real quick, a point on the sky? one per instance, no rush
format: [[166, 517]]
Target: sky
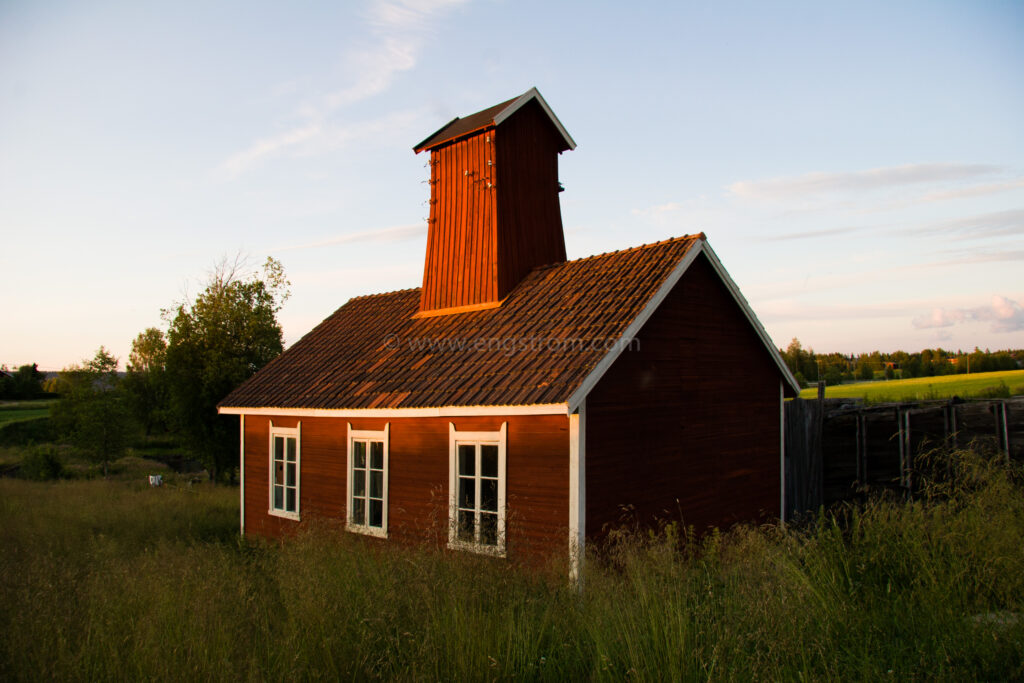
[[857, 167]]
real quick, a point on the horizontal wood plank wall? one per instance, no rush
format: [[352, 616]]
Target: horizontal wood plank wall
[[687, 426], [536, 490], [529, 216], [460, 266]]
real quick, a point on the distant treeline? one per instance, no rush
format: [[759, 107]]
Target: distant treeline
[[26, 382], [835, 368]]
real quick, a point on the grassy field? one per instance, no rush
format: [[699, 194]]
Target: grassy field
[[15, 411], [113, 580], [982, 384]]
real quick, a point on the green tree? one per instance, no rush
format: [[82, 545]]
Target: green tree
[[864, 370], [92, 414], [145, 384], [793, 355], [214, 344]]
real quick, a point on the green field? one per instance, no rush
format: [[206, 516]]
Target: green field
[[15, 411], [114, 580], [978, 385]]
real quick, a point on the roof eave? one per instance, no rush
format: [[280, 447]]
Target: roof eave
[[420, 147], [425, 411]]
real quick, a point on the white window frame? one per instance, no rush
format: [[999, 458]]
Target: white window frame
[[455, 438], [367, 435], [288, 433]]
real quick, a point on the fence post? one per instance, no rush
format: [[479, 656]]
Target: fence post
[[1006, 430]]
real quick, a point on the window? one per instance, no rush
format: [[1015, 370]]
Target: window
[[476, 486], [368, 481], [284, 471]]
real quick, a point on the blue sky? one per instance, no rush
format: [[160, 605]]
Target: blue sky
[[858, 167]]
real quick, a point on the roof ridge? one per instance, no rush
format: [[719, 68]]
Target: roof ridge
[[639, 247], [377, 294]]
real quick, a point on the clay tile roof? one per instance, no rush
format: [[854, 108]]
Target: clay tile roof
[[492, 116], [536, 348]]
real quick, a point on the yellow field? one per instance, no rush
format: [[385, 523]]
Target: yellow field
[[981, 384]]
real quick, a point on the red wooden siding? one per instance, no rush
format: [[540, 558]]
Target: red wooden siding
[[688, 425], [537, 458]]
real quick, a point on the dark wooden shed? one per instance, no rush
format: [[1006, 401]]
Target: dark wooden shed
[[517, 402]]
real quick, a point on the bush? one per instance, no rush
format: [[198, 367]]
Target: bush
[[999, 391], [41, 464]]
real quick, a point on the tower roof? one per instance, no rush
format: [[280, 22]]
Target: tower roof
[[492, 116]]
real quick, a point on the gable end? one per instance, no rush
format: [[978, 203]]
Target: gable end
[[702, 247]]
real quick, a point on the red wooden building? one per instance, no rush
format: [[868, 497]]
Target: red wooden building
[[517, 402]]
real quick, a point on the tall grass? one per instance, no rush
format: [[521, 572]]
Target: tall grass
[[109, 580]]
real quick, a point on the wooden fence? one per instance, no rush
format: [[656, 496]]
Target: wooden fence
[[836, 446]]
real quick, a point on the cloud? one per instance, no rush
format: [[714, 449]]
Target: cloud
[[396, 233], [792, 310], [993, 224], [1005, 315], [237, 163], [818, 183], [973, 191], [398, 31], [812, 234]]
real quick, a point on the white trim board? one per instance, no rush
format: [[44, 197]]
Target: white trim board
[[441, 411], [241, 473], [577, 492], [630, 333]]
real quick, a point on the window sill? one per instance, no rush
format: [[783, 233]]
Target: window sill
[[294, 516], [493, 551], [366, 530]]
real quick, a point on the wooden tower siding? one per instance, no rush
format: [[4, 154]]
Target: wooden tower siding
[[461, 260], [537, 459], [494, 211], [529, 214], [688, 425]]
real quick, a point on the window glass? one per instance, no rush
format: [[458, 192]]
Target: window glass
[[488, 528], [467, 459], [466, 522], [489, 460], [467, 492], [489, 495]]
